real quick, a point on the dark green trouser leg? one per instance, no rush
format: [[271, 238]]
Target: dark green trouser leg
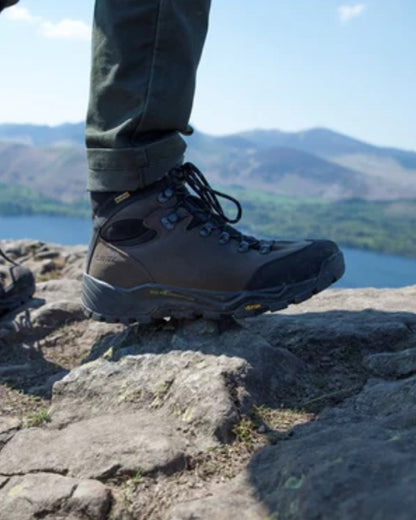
[[145, 56]]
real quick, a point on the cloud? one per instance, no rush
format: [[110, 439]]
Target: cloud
[[20, 14], [65, 29], [348, 12]]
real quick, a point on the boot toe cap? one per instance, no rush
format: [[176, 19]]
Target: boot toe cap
[[296, 267]]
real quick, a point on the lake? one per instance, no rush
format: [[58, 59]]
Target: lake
[[364, 269]]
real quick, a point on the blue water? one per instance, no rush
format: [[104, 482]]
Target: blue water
[[364, 269]]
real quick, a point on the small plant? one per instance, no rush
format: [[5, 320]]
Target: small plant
[[137, 478], [244, 431], [37, 418]]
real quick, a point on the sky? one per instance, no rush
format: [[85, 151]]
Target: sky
[[285, 64]]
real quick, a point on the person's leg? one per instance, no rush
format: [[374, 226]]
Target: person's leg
[[145, 56], [162, 245]]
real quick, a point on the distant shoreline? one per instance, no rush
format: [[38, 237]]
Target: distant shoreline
[[85, 218]]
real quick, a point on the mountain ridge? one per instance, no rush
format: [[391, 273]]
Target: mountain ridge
[[316, 162], [361, 199]]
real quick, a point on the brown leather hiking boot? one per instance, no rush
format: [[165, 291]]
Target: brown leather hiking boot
[[17, 284], [167, 251]]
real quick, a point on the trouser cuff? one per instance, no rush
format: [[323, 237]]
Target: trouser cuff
[[130, 169]]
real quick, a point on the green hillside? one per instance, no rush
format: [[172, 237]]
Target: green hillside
[[387, 227], [18, 200], [376, 226]]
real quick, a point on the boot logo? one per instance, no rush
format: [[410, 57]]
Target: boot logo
[[166, 292], [106, 259], [123, 196], [253, 307]]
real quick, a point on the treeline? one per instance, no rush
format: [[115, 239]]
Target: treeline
[[387, 226], [18, 200]]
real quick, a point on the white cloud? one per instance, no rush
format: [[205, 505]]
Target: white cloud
[[348, 12], [20, 14], [64, 29]]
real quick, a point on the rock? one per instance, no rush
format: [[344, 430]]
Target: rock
[[56, 314], [306, 414], [44, 495], [99, 448], [385, 300], [8, 427], [10, 370], [235, 500], [8, 423], [188, 388], [46, 388], [46, 254], [392, 364], [381, 399], [90, 500], [183, 374], [61, 289], [342, 466]]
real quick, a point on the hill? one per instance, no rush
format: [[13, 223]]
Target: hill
[[313, 183], [316, 162]]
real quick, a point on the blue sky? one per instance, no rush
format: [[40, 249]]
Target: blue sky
[[287, 64]]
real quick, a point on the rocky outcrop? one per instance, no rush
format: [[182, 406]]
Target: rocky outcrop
[[299, 415]]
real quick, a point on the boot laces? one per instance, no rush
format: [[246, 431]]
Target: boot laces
[[7, 258], [207, 210]]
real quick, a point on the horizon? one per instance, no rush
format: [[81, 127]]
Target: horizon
[[343, 64], [258, 129]]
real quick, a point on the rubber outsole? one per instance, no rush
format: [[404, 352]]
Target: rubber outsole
[[146, 303]]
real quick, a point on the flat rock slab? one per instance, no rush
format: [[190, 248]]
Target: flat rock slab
[[184, 386], [49, 496], [196, 375], [101, 447], [386, 300], [392, 364], [235, 500]]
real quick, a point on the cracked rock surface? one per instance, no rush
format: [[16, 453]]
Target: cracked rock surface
[[303, 415]]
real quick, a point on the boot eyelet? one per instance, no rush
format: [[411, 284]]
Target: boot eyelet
[[165, 195], [206, 229], [173, 218], [166, 223], [224, 238], [265, 248], [243, 247], [204, 232]]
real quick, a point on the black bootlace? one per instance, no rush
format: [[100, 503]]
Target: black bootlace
[[206, 208], [8, 259]]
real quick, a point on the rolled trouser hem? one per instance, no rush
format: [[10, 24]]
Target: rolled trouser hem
[[129, 169]]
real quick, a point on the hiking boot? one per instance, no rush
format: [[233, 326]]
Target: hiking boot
[[169, 251], [17, 284]]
